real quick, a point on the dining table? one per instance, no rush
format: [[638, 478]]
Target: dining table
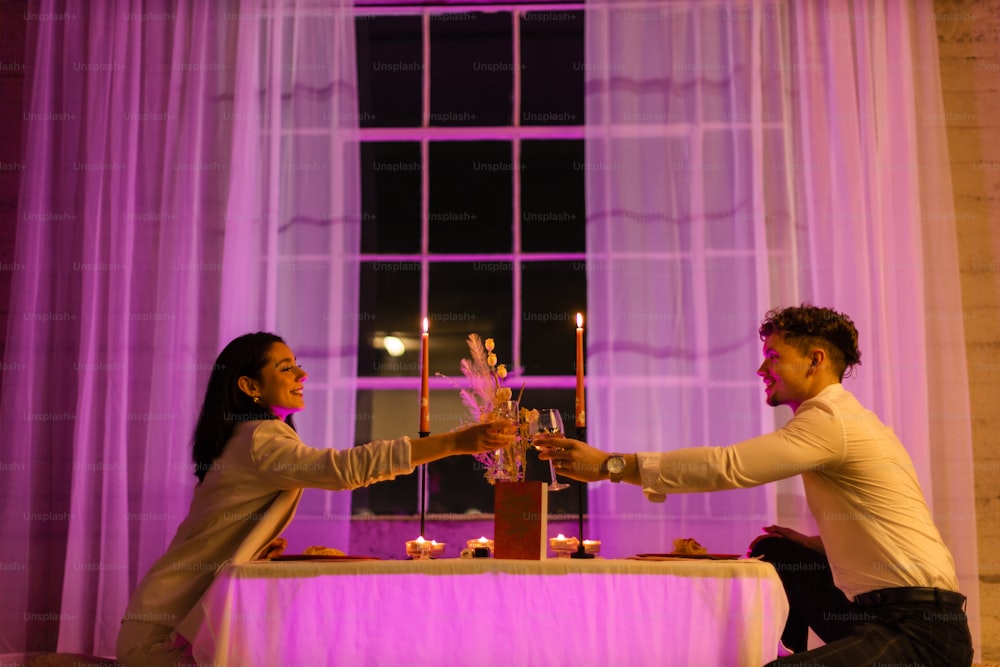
[[649, 610]]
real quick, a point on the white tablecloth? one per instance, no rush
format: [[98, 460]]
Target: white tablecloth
[[485, 612]]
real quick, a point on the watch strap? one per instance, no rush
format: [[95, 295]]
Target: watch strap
[[615, 466]]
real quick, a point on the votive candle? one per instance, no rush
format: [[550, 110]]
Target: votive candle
[[563, 545], [419, 549], [481, 543]]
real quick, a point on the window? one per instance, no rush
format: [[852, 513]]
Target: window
[[473, 215]]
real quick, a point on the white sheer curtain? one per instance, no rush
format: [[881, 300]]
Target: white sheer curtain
[[189, 177], [680, 118], [746, 155], [295, 116]]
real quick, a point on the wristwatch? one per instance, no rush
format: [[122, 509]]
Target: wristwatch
[[616, 467]]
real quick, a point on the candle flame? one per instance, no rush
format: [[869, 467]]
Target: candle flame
[[483, 540], [579, 320], [560, 536], [420, 539], [425, 325]]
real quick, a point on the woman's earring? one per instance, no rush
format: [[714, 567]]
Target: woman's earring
[[256, 399]]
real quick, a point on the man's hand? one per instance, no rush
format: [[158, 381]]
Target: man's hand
[[572, 458], [808, 541]]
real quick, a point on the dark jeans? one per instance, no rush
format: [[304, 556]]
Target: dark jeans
[[911, 633]]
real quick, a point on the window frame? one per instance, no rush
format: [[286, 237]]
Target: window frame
[[515, 133]]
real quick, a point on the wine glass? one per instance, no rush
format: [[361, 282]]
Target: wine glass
[[550, 421], [506, 410]]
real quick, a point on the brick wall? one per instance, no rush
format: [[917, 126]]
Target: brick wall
[[969, 46]]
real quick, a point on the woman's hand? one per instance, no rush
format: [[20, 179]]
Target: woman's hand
[[572, 458], [484, 437], [808, 541], [472, 439]]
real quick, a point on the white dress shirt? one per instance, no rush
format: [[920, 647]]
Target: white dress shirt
[[859, 481]]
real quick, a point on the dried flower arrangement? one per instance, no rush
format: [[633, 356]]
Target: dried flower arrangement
[[487, 399]]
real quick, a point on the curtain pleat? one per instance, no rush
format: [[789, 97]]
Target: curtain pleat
[[839, 105], [159, 218]]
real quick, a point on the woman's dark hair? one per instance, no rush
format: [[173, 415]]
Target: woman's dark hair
[[808, 326], [225, 404]]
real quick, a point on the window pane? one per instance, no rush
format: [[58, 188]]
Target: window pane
[[471, 69], [552, 68], [553, 292], [390, 197], [674, 334], [383, 415], [777, 162], [773, 86], [553, 215], [663, 213], [730, 285], [468, 297], [306, 223], [389, 304], [389, 71], [456, 486], [665, 91], [470, 196], [725, 56], [728, 199]]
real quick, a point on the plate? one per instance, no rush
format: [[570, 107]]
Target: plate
[[689, 556], [290, 557]]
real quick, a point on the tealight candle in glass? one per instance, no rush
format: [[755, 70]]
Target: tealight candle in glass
[[592, 546], [480, 543], [481, 548], [563, 546], [419, 549]]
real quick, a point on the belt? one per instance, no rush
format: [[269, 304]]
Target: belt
[[897, 595]]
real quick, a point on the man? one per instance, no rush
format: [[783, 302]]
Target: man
[[878, 584]]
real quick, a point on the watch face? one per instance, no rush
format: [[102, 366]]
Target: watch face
[[616, 465]]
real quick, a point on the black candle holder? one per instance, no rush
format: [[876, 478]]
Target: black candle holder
[[581, 551], [422, 489]]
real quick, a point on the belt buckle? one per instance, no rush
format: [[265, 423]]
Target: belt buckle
[[872, 598]]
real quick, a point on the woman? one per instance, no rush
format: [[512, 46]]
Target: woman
[[252, 467]]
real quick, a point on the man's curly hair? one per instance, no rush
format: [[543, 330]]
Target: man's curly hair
[[808, 326]]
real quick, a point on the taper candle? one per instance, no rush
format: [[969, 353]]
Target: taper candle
[[425, 399], [581, 405]]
